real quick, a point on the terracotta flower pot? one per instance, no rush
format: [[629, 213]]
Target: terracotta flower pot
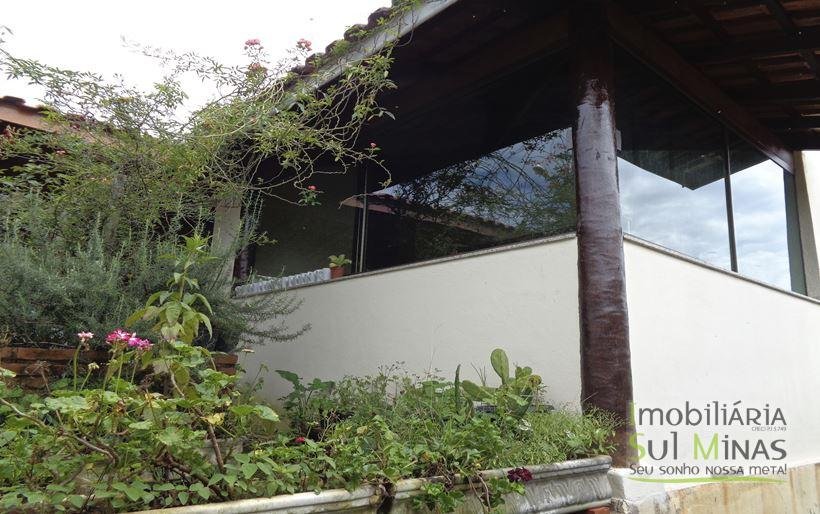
[[337, 272]]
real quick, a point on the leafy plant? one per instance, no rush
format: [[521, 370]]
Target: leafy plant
[[174, 311], [516, 394], [394, 425], [163, 427], [310, 403], [337, 261], [54, 287]]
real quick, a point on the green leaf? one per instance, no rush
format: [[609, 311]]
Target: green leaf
[[141, 425], [172, 312], [67, 404], [181, 374], [242, 410], [473, 391], [133, 493], [248, 470], [201, 490], [7, 373], [206, 322], [204, 302], [265, 412], [500, 364], [153, 298], [133, 318], [290, 376], [170, 436], [183, 497], [110, 397], [523, 372]]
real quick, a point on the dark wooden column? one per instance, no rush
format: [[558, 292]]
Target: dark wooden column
[[606, 373]]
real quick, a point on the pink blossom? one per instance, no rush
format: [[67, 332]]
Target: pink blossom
[[304, 44], [255, 66], [312, 188], [139, 344], [299, 440], [119, 336], [253, 42], [85, 336], [372, 145]]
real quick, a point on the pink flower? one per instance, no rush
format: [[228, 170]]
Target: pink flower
[[118, 336], [312, 188], [255, 66], [372, 145], [139, 344], [303, 44], [85, 336], [253, 42], [299, 440]]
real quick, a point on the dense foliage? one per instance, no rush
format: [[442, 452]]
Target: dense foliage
[[117, 176], [55, 287], [163, 427]]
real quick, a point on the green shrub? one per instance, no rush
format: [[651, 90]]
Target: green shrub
[[54, 288], [395, 425]]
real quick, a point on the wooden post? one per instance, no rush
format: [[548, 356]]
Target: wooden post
[[606, 374]]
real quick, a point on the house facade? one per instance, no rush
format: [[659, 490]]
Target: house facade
[[622, 195]]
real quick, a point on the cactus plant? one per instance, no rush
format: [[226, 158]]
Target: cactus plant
[[516, 394], [501, 365]]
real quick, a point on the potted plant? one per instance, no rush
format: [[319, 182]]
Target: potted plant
[[337, 265]]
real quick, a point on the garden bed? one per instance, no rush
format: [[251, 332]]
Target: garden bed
[[34, 365], [563, 487]]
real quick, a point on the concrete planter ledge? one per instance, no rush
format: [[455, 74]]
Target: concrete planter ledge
[[563, 487]]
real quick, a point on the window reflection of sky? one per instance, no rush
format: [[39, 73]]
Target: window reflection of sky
[[692, 222], [760, 223]]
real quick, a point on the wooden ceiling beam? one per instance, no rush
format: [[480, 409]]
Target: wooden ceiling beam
[[792, 124], [793, 31], [801, 92], [773, 45], [758, 48], [647, 46]]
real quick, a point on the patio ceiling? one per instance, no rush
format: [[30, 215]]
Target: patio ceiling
[[763, 54]]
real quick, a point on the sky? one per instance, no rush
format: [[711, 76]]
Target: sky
[[86, 35]]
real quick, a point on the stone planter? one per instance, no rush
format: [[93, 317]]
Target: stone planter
[[32, 364], [564, 487]]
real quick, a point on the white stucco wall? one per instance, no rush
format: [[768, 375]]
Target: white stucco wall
[[438, 315], [701, 335]]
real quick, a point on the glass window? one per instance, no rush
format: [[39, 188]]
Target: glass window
[[671, 167], [489, 167], [676, 168], [303, 237], [519, 192], [765, 216]]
